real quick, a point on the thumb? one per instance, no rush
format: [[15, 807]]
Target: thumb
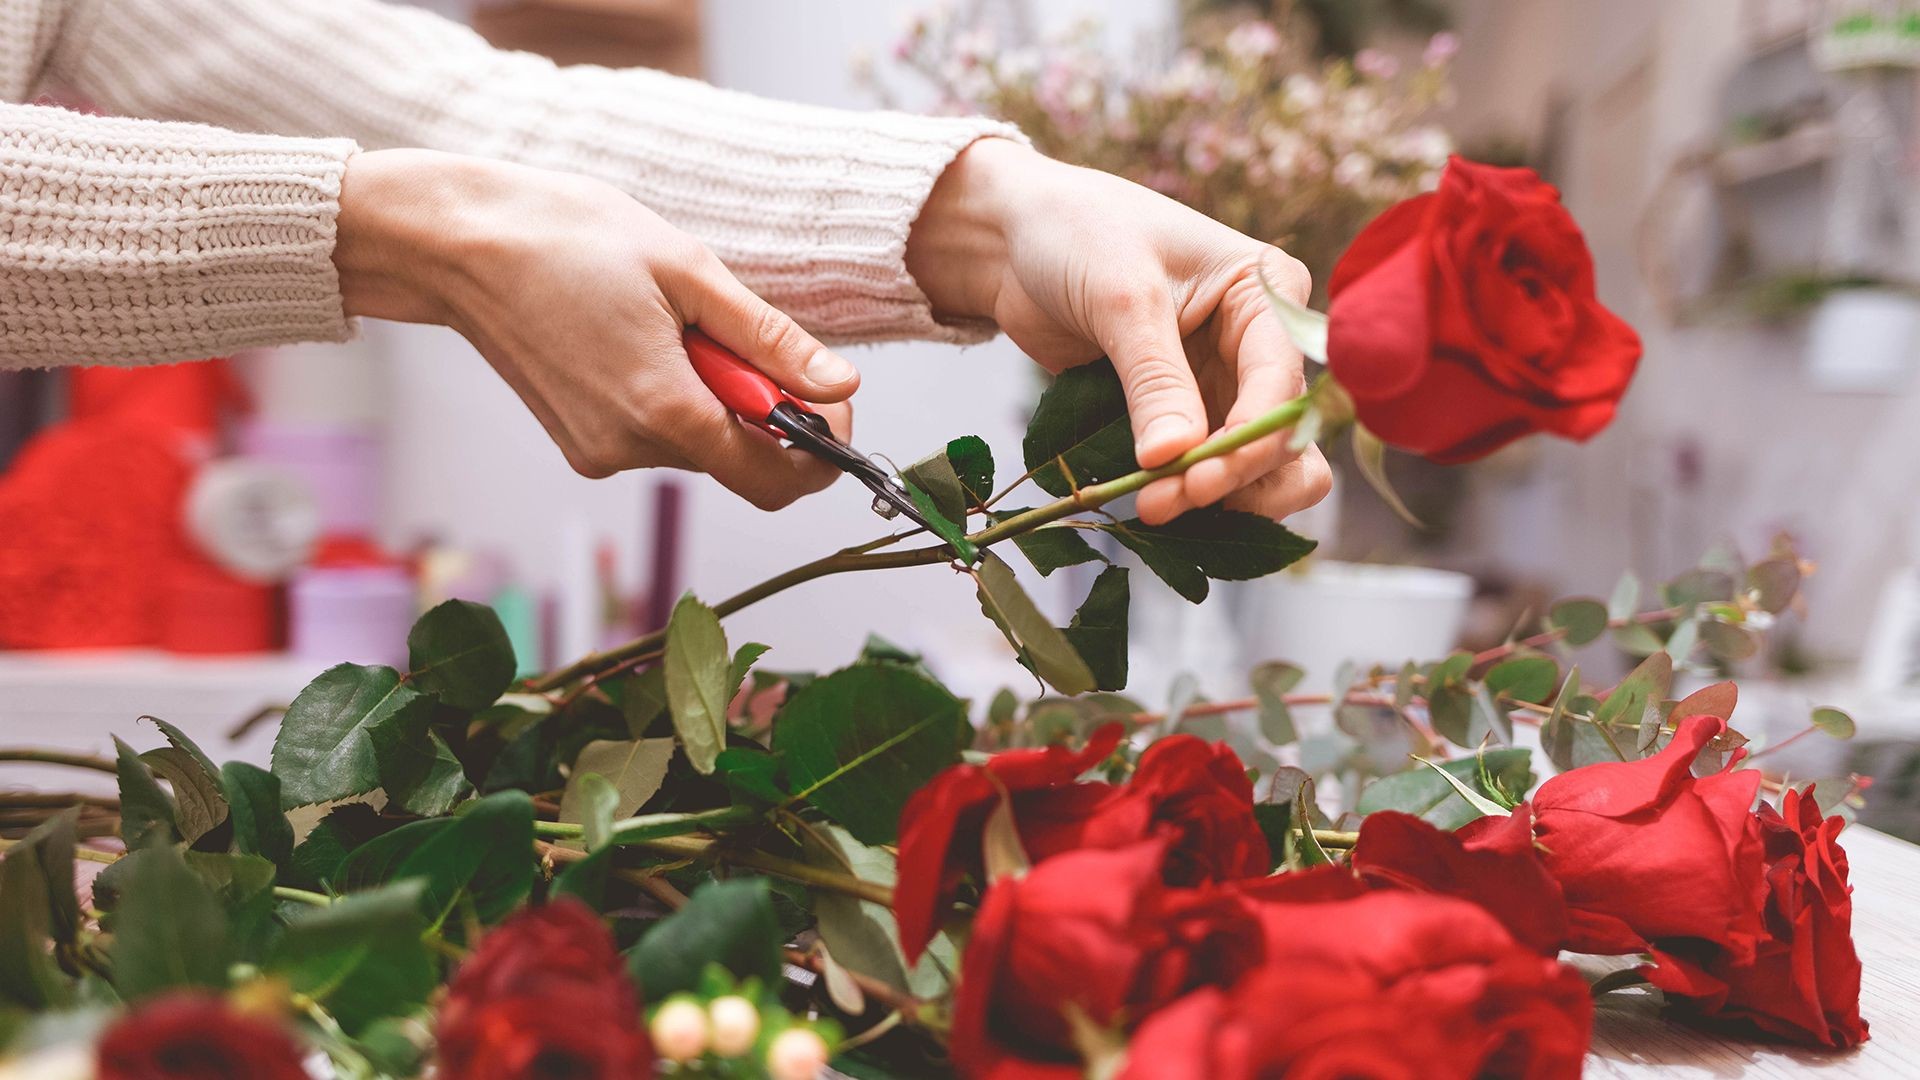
[[766, 337]]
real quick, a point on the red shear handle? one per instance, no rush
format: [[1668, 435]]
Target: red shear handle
[[740, 386]]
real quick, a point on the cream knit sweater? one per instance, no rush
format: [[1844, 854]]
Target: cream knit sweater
[[126, 240]]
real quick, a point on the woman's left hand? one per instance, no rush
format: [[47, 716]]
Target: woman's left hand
[[1075, 264]]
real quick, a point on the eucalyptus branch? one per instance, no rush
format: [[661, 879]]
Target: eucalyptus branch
[[864, 557]]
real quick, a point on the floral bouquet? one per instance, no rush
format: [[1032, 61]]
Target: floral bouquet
[[1246, 128], [668, 859]]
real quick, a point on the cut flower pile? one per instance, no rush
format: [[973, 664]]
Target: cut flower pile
[[668, 859]]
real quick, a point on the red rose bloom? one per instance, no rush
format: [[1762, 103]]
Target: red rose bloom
[[190, 1036], [1804, 980], [1466, 318], [1388, 985], [941, 824], [1491, 862], [1644, 850], [1195, 792], [1093, 931], [544, 997]]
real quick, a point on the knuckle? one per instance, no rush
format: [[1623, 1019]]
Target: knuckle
[[1290, 276], [774, 334], [1156, 379], [594, 463], [1125, 299], [1316, 477]]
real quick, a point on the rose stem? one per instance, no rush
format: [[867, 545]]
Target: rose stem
[[1090, 497], [282, 892], [55, 757]]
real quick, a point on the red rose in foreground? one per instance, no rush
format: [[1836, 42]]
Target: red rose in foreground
[[1804, 981], [196, 1037], [1466, 318], [1385, 985], [941, 824], [1195, 792], [544, 996], [1491, 862], [1644, 850], [1093, 931]]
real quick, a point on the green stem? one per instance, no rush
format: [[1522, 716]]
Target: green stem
[[287, 892], [55, 757], [654, 826], [1091, 497]]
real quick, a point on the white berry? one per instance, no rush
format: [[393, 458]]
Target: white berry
[[736, 1025], [796, 1054], [679, 1030]]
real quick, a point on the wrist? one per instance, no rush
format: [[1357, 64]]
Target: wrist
[[398, 231], [958, 249]]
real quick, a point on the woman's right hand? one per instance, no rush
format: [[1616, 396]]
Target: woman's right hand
[[579, 296]]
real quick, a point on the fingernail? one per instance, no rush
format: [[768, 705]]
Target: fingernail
[[1165, 427], [826, 369]]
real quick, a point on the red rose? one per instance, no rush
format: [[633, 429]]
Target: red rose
[[190, 1036], [1466, 318], [1387, 985], [941, 824], [1804, 980], [1491, 862], [1186, 788], [544, 996], [1093, 931], [1644, 850]]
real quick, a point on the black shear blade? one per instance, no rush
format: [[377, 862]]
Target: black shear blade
[[810, 432]]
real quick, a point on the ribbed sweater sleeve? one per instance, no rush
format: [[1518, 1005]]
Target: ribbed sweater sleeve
[[810, 207], [125, 240]]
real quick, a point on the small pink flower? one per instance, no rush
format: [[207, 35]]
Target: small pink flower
[[1375, 64], [1444, 47], [1253, 40]]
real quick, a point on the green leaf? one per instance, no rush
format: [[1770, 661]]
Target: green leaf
[[1772, 584], [253, 799], [1043, 646], [729, 923], [1487, 807], [1624, 602], [1226, 545], [146, 812], [1697, 587], [170, 929], [972, 462], [942, 526], [1727, 641], [935, 475], [1307, 849], [178, 739], [699, 680], [36, 885], [1081, 423], [323, 750], [1833, 722], [857, 743], [318, 859], [1583, 620], [364, 957], [594, 800], [633, 769], [754, 774], [586, 880], [484, 852], [1637, 700], [417, 769], [643, 699], [1422, 793], [1525, 678], [1271, 682], [199, 806], [1450, 709], [1098, 631], [1051, 547], [1556, 732], [1307, 327], [1370, 455], [460, 653], [744, 658]]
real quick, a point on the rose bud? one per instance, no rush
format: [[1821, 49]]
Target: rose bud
[[192, 1036]]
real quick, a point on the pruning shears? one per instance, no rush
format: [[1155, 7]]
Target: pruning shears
[[758, 400]]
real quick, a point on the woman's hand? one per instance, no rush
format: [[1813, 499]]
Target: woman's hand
[[578, 296], [1076, 264]]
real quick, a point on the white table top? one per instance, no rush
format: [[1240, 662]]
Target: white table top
[[1631, 1041]]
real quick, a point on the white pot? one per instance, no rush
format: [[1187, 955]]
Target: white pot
[[1334, 612], [1864, 341]]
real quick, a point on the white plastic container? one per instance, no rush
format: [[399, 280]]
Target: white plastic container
[[1333, 612], [1864, 341]]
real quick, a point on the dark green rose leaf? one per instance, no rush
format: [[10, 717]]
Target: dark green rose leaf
[[699, 680], [744, 658], [857, 743], [484, 852], [1098, 631], [972, 462], [199, 805], [170, 929], [460, 653], [363, 957], [146, 811], [1225, 545], [634, 769], [418, 770], [935, 475], [1054, 546], [729, 923], [37, 909], [947, 527], [259, 826], [324, 749], [1081, 426]]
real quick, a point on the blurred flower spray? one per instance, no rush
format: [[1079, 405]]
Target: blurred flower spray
[[1244, 124]]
